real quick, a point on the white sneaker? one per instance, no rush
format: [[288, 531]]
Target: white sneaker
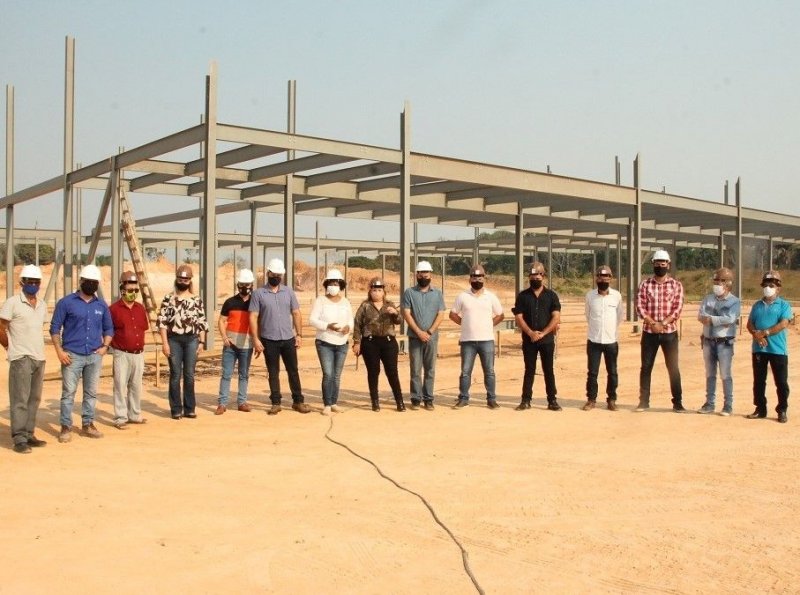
[[336, 408], [326, 410], [725, 413]]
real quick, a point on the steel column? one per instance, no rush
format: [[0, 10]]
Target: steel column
[[208, 222], [288, 196], [405, 200], [739, 266], [9, 190], [519, 248], [69, 122]]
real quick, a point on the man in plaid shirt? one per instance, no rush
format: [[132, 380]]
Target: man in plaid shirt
[[659, 302]]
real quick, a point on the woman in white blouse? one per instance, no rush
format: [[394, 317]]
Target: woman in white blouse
[[332, 316]]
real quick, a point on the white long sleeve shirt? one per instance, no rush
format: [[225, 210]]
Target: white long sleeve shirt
[[604, 313], [326, 311]]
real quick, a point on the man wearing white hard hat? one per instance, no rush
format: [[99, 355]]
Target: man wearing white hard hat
[[276, 326], [130, 325], [423, 310], [659, 303], [22, 334], [81, 330], [234, 328], [604, 312]]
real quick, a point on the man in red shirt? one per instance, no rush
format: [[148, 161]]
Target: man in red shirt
[[130, 324], [659, 302]]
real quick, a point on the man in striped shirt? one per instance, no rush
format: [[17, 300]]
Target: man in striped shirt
[[659, 302]]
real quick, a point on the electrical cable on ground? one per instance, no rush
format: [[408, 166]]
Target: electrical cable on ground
[[464, 553]]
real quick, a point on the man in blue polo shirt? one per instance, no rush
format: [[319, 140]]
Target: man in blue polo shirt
[[423, 310], [767, 323], [81, 330]]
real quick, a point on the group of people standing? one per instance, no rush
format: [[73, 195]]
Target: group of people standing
[[268, 320]]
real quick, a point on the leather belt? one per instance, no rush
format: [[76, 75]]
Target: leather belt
[[387, 337], [135, 351], [718, 340]]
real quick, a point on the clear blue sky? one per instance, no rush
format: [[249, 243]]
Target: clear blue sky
[[704, 91]]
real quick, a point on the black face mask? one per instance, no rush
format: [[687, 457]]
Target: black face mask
[[243, 291], [603, 285], [422, 282], [536, 284], [274, 281], [181, 285], [660, 271], [89, 287], [476, 285]]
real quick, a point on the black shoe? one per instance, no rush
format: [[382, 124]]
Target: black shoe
[[553, 405], [756, 415], [190, 415], [401, 406], [679, 408], [612, 405], [523, 405], [782, 417], [428, 406], [461, 403], [22, 448], [376, 406], [414, 405], [492, 404], [35, 442], [177, 416]]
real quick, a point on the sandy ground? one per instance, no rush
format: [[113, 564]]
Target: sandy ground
[[546, 502]]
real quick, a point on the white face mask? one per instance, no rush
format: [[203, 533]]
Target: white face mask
[[719, 290], [332, 290], [770, 292]]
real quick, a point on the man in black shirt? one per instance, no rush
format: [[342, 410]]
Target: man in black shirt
[[538, 312]]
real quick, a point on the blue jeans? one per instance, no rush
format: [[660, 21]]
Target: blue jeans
[[718, 355], [422, 357], [182, 362], [484, 350], [230, 356], [331, 359], [86, 367]]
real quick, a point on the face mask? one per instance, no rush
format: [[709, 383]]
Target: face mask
[[770, 292], [30, 289], [660, 271], [129, 296], [181, 285], [422, 282], [89, 287], [477, 285], [274, 281], [243, 291], [536, 284], [603, 285], [719, 290], [332, 290]]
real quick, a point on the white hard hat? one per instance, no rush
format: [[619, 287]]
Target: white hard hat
[[276, 266], [423, 266], [334, 275], [660, 255], [245, 276], [91, 273], [30, 271]]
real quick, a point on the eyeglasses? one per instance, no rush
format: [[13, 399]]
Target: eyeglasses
[[131, 290], [476, 276]]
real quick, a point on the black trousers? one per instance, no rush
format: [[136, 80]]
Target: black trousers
[[546, 352], [375, 350], [609, 352], [285, 350], [668, 342], [780, 374]]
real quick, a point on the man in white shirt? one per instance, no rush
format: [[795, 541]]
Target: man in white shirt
[[604, 313], [477, 311]]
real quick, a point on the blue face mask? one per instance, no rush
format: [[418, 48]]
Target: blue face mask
[[30, 288]]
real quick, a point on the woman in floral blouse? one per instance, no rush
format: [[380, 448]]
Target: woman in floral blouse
[[183, 327], [373, 338]]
